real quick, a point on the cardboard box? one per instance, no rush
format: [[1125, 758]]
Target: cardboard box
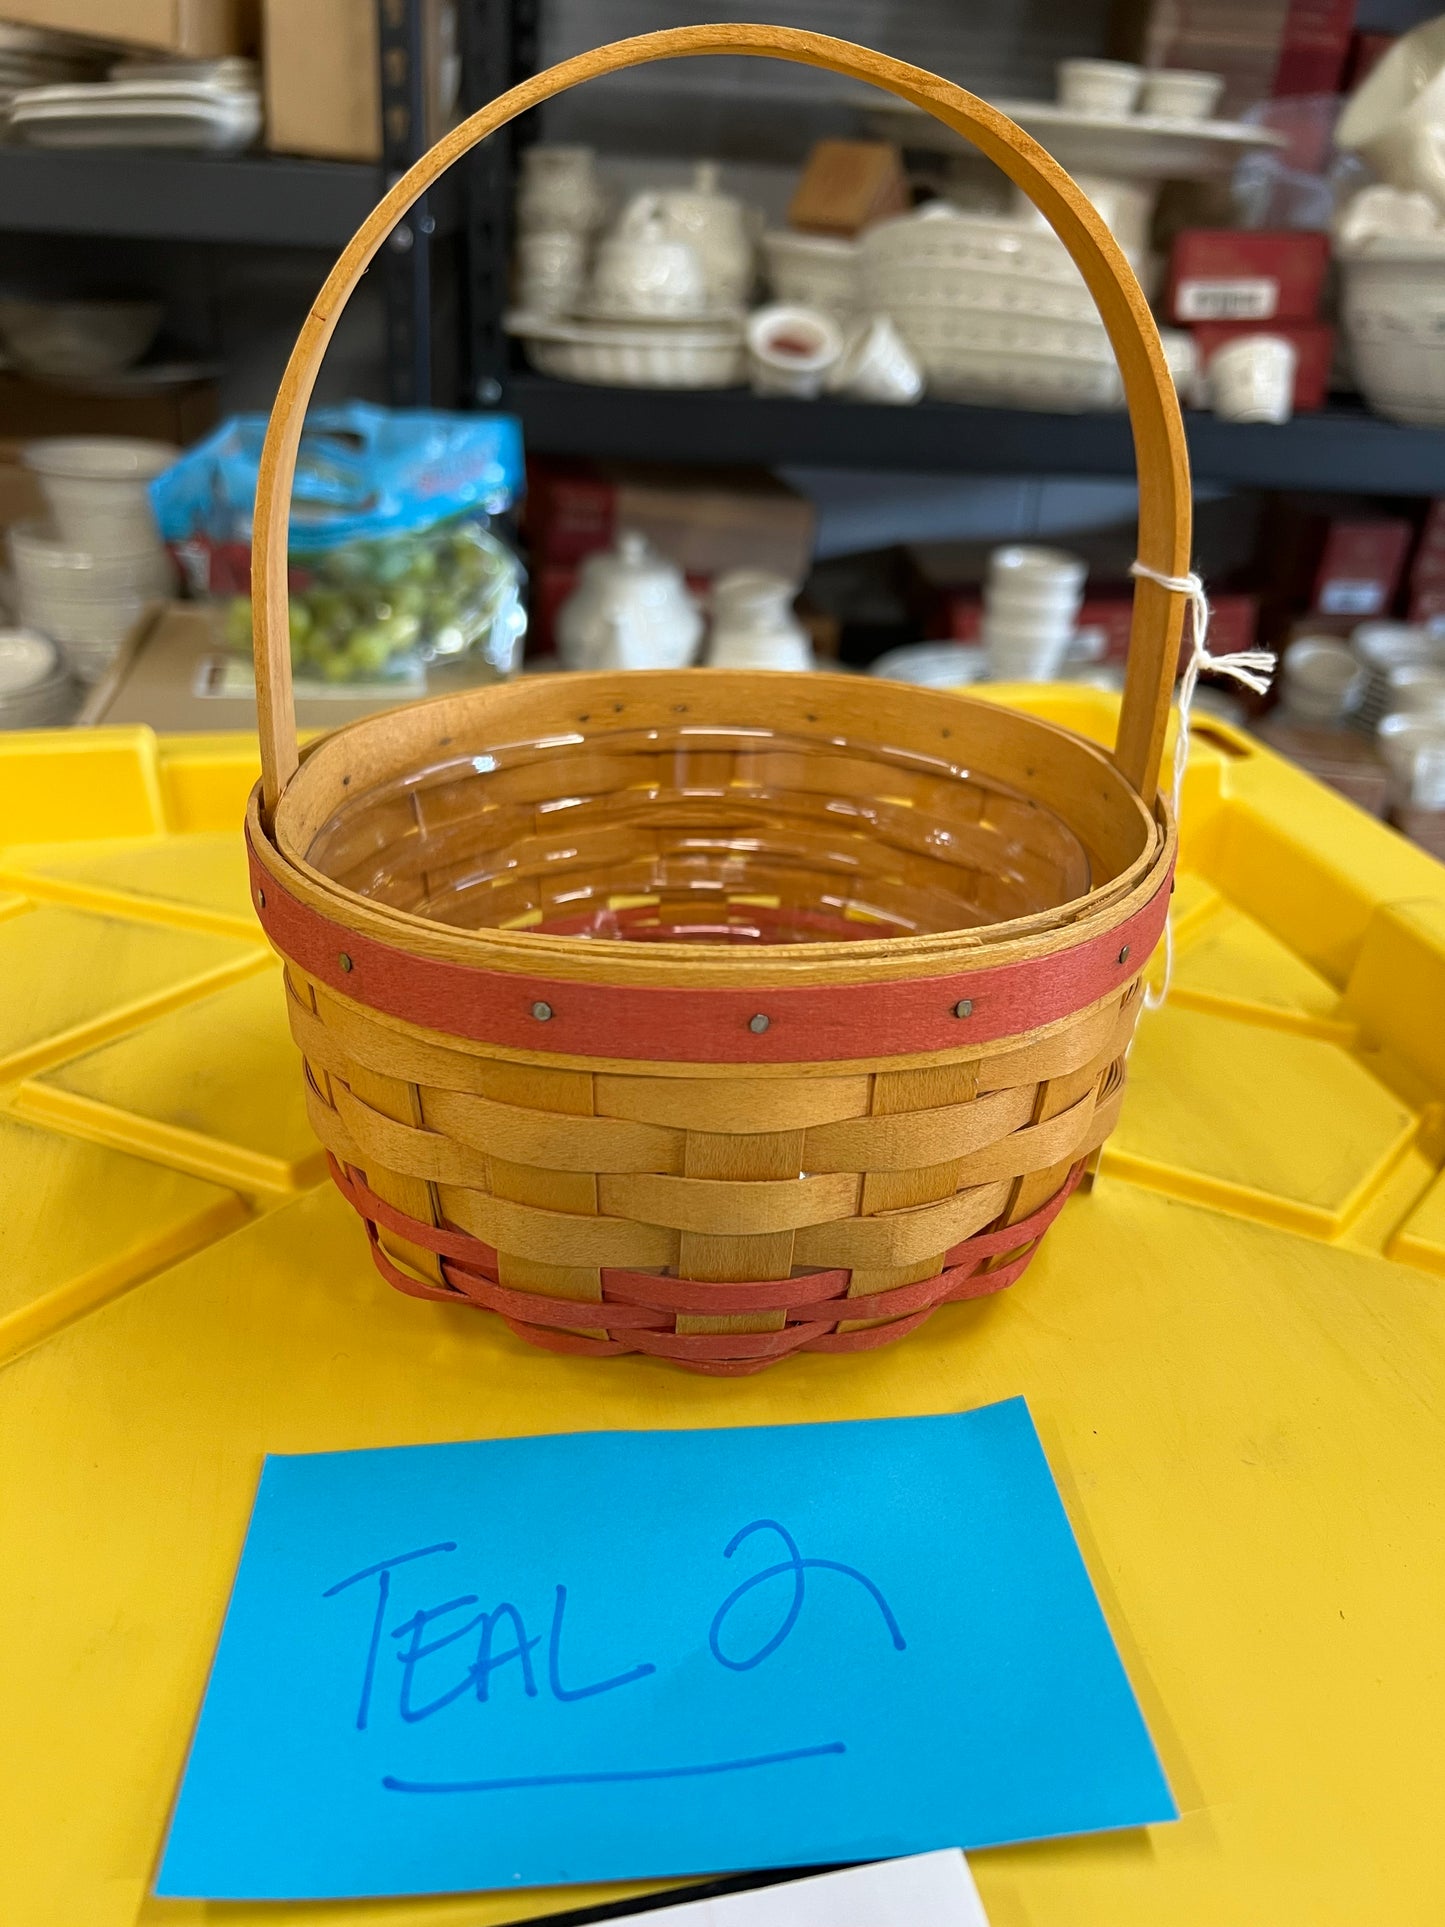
[[197, 28], [173, 674], [323, 76], [1232, 274], [704, 520], [847, 185], [181, 414], [1314, 343]]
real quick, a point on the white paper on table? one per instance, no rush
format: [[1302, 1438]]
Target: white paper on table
[[924, 1890]]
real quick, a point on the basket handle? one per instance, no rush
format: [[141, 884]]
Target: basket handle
[[1160, 450]]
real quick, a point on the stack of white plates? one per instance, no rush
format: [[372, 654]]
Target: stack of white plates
[[87, 603], [993, 308], [213, 105], [35, 689], [31, 57]]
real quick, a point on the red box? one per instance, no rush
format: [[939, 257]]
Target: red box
[[1231, 274], [1427, 601], [1314, 343], [1360, 566], [1315, 47]]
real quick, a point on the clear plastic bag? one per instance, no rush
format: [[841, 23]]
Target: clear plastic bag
[[393, 562]]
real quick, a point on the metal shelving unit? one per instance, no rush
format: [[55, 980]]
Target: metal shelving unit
[[1341, 449]]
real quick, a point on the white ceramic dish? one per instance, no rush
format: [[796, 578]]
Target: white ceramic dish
[[1395, 120], [941, 238], [177, 113], [932, 665], [937, 335], [1180, 93], [1109, 87], [716, 226], [791, 350], [36, 691], [684, 356], [813, 270], [1140, 146], [1321, 679], [96, 488], [1393, 311], [82, 340], [1252, 379]]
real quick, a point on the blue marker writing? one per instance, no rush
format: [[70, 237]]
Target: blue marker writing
[[797, 1565]]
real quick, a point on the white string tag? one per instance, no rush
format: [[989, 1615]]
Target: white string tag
[[1251, 668]]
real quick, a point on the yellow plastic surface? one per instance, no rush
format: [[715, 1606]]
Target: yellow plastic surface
[[1234, 1348]]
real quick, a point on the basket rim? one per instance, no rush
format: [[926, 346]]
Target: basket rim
[[859, 959]]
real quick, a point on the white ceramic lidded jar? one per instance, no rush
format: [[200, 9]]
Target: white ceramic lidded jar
[[716, 226], [753, 624], [630, 609]]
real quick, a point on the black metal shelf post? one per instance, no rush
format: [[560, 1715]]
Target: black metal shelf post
[[499, 47], [407, 254]]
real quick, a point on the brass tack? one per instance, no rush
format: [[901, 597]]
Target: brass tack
[[261, 899], [1124, 954], [759, 1023], [542, 1012], [964, 1007], [345, 961]]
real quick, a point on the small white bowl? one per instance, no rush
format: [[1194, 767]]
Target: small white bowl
[[1252, 379], [1402, 738], [1177, 93], [1105, 87], [1322, 679], [791, 350], [812, 270]]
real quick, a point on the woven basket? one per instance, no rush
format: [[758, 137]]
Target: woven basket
[[718, 1016]]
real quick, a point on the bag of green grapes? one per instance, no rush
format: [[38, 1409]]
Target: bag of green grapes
[[395, 555]]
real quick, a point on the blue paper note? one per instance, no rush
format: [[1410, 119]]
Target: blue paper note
[[603, 1656]]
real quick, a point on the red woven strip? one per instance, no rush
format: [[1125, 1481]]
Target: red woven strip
[[806, 1023], [444, 1242], [567, 1324]]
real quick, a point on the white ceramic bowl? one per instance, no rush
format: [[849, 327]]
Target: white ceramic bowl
[[1176, 93], [1107, 87], [940, 237], [1417, 687], [36, 691], [1402, 738], [1394, 318], [812, 270], [936, 333], [1252, 379], [78, 340], [96, 488], [1322, 679]]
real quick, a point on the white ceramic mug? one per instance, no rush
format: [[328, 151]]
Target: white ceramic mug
[[1106, 87], [1175, 93], [1252, 379], [1396, 118], [876, 364], [791, 350]]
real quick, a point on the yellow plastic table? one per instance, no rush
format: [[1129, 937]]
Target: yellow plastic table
[[1231, 1345]]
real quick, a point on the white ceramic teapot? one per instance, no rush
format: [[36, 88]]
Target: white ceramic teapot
[[645, 271], [753, 623], [630, 610], [716, 226]]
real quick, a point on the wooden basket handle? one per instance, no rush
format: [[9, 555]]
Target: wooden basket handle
[[1159, 446]]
